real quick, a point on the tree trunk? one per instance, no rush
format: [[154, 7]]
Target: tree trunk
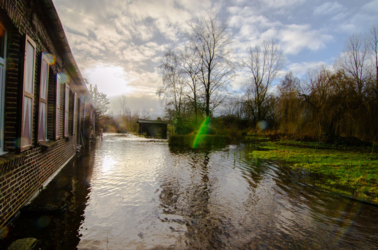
[[207, 103]]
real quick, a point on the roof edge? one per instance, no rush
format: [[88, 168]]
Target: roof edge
[[57, 34]]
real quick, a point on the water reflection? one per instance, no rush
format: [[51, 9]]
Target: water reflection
[[69, 190], [141, 194]]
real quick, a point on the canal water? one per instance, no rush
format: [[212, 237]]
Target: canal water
[[135, 193]]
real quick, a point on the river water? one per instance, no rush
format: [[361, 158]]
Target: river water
[[135, 193]]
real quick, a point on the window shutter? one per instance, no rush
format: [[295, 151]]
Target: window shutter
[[42, 115], [74, 114], [57, 113], [66, 109], [28, 95]]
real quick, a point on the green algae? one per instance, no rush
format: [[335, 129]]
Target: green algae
[[349, 172]]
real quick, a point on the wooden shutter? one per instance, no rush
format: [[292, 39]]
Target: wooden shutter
[[66, 109], [3, 46], [28, 95], [42, 115], [74, 114], [57, 111]]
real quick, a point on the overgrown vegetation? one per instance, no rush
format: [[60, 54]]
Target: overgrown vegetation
[[326, 104], [351, 171]]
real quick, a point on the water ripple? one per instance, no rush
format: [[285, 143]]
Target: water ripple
[[145, 195]]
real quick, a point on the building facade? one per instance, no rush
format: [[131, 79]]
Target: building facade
[[41, 100]]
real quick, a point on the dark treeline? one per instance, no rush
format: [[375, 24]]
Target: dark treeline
[[327, 103]]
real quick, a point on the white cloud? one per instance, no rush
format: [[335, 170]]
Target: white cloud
[[281, 3], [300, 69], [371, 7], [328, 8], [295, 38]]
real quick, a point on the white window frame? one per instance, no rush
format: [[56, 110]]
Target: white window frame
[[74, 114], [2, 93], [41, 100], [58, 109], [25, 93], [66, 111]]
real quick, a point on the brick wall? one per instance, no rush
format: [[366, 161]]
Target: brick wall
[[18, 183], [22, 176]]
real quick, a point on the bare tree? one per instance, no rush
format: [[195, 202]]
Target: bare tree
[[372, 42], [353, 61], [173, 85], [210, 41], [99, 100], [190, 69], [123, 105], [264, 63]]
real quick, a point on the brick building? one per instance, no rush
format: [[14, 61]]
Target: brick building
[[41, 100]]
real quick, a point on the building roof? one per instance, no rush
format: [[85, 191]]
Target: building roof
[[55, 29], [152, 121]]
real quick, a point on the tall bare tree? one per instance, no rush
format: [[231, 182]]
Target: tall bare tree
[[372, 42], [173, 85], [210, 41], [190, 69], [353, 61], [99, 100], [123, 105], [264, 64]]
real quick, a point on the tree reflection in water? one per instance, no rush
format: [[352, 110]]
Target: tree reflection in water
[[145, 195]]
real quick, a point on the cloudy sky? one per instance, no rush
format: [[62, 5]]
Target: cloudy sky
[[118, 44]]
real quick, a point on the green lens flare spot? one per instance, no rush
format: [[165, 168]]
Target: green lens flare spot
[[202, 132]]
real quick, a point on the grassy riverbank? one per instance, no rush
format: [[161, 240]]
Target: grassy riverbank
[[345, 170]]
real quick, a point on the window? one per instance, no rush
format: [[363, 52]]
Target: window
[[2, 84], [28, 95], [74, 114], [66, 109], [57, 105], [42, 115]]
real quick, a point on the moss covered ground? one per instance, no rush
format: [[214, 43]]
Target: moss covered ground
[[345, 170]]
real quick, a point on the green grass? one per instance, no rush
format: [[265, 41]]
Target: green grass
[[348, 172]]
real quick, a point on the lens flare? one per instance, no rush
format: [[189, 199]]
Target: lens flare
[[50, 58], [16, 142], [43, 221], [3, 230], [82, 98], [63, 78], [348, 212], [202, 131], [262, 125], [352, 210]]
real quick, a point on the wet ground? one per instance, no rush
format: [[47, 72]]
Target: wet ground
[[134, 193]]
